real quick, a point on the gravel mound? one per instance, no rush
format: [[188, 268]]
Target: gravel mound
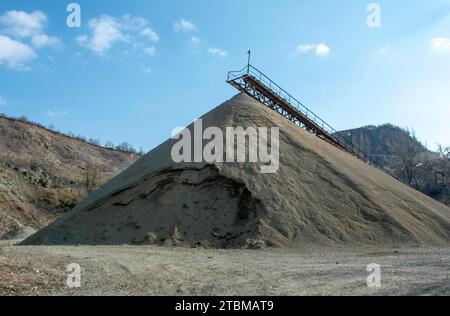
[[320, 196]]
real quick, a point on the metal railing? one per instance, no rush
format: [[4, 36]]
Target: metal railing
[[339, 138]]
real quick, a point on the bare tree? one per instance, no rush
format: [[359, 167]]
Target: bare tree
[[126, 147], [91, 179], [444, 171], [109, 144], [444, 152], [409, 152], [94, 141]]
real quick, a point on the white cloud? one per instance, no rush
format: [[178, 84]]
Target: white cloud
[[185, 26], [195, 40], [82, 39], [15, 54], [129, 22], [320, 49], [217, 52], [22, 24], [150, 51], [57, 114], [305, 48], [43, 40], [107, 31], [383, 50], [2, 101], [441, 43], [150, 34], [19, 30]]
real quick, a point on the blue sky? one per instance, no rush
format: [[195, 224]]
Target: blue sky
[[137, 69]]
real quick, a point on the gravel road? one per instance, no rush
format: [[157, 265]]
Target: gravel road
[[128, 270]]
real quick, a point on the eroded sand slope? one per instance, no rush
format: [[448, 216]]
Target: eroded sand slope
[[320, 196]]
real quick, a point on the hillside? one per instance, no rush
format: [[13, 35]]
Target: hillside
[[386, 143], [45, 173], [380, 142]]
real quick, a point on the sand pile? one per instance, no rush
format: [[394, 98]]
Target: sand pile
[[319, 196]]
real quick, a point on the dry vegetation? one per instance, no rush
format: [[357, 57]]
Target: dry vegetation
[[44, 173], [400, 151]]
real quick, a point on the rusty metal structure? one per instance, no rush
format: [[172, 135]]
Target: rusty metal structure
[[256, 84]]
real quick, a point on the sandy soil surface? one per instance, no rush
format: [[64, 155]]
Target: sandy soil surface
[[151, 270]]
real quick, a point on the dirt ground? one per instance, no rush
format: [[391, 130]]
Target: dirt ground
[[150, 270]]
